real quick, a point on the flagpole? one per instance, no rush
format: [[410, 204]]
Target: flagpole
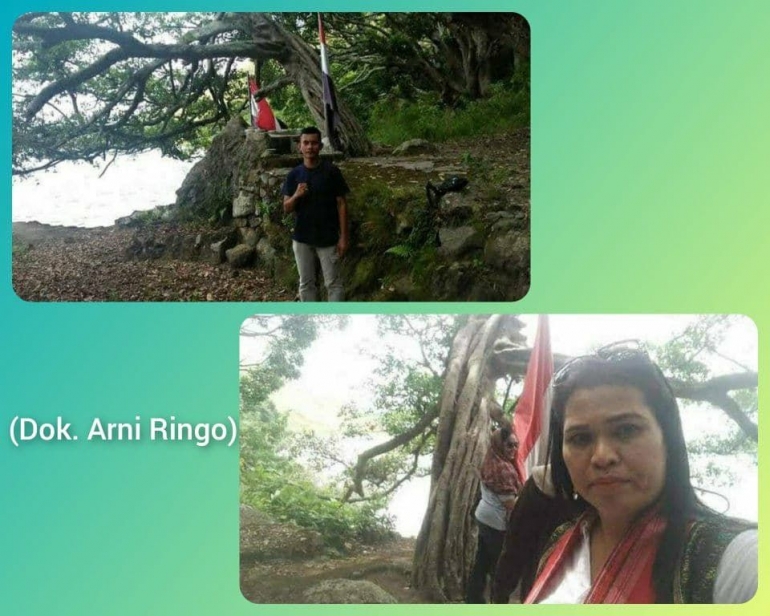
[[329, 96]]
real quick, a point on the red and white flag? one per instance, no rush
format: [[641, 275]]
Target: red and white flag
[[330, 98], [531, 418], [261, 114]]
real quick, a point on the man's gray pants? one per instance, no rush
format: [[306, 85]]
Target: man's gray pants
[[304, 254]]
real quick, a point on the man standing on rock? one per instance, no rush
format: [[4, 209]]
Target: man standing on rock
[[315, 192]]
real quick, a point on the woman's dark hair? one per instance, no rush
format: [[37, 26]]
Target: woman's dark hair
[[627, 367]]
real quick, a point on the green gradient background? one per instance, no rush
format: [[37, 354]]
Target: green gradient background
[[651, 159]]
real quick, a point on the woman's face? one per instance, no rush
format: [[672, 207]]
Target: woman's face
[[614, 451]]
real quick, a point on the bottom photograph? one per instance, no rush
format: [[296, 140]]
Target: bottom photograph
[[498, 459]]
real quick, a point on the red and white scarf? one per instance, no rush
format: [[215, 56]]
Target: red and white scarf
[[626, 577]]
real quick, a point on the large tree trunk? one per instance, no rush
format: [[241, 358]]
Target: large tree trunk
[[302, 65], [480, 47], [447, 541]]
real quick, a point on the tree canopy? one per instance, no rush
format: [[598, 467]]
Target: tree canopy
[[95, 85]]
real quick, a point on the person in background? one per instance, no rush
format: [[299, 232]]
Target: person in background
[[500, 484], [616, 443], [315, 192]]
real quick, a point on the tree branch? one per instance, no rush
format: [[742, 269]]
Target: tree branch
[[714, 391], [382, 448]]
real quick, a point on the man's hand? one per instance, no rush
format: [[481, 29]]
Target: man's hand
[[290, 203], [301, 190], [342, 246]]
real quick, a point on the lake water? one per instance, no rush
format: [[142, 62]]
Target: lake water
[[73, 194]]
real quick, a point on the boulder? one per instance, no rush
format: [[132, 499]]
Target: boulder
[[503, 221], [456, 208], [456, 242], [347, 591], [508, 252], [415, 147], [220, 247], [209, 187], [265, 251], [138, 218], [241, 255], [451, 282], [243, 204], [248, 236]]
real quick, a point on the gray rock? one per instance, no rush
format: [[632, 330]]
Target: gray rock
[[266, 252], [240, 256], [504, 221], [132, 220], [414, 147], [456, 242], [425, 166], [451, 282], [248, 236], [160, 213], [219, 248], [508, 252], [347, 591], [243, 204], [457, 207]]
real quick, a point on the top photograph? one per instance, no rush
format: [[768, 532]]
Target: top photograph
[[271, 157]]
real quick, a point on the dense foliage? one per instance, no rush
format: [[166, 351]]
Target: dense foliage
[[272, 480]]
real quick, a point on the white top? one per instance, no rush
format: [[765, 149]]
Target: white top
[[491, 510], [736, 580]]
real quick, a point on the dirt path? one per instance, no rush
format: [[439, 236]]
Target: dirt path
[[388, 566]]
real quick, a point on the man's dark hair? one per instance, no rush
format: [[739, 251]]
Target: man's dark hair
[[310, 130], [678, 501]]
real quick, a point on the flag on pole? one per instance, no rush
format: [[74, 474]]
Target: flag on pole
[[532, 415], [261, 114], [329, 97]]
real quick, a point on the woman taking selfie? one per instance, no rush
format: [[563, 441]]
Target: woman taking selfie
[[616, 443]]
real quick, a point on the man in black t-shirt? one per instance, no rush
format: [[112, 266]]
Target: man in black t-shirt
[[315, 192]]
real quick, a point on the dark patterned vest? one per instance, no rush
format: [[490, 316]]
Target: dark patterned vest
[[707, 541]]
